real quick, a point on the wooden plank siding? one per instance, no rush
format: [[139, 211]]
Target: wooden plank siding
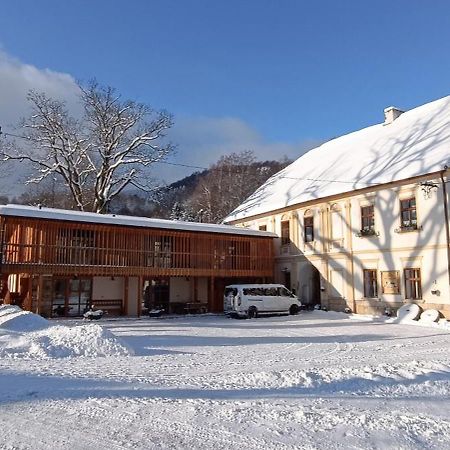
[[43, 246]]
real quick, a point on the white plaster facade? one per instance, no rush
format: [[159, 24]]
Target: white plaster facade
[[341, 255]]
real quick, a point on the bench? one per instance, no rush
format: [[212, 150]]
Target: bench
[[196, 308], [110, 307]]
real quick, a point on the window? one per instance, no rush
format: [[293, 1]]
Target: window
[[367, 219], [370, 283], [271, 292], [408, 214], [263, 228], [309, 228], [283, 292], [285, 239], [413, 288]]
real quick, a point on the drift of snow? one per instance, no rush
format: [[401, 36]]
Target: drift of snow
[[27, 335], [13, 318], [429, 316], [408, 312]]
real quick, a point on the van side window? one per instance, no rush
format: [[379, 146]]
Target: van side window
[[253, 291], [272, 292]]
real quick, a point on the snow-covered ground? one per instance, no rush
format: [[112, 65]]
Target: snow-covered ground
[[317, 380]]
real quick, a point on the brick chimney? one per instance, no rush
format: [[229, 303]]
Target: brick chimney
[[391, 113]]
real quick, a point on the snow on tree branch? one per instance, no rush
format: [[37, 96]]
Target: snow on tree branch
[[98, 155]]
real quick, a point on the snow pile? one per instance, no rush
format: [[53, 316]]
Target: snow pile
[[83, 340], [13, 318], [408, 313], [27, 335]]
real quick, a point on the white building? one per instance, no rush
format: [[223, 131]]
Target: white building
[[363, 219]]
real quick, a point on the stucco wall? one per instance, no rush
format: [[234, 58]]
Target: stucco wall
[[133, 286], [105, 288], [180, 289], [341, 261]]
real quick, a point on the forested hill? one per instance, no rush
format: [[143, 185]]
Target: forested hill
[[206, 196]]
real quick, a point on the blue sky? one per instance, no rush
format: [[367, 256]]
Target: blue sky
[[283, 73]]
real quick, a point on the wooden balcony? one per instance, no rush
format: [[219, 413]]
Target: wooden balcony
[[41, 246]]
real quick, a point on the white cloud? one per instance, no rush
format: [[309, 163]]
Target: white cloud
[[202, 140], [17, 78]]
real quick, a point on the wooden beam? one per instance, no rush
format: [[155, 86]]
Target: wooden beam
[[139, 295], [125, 295], [40, 294], [211, 294]]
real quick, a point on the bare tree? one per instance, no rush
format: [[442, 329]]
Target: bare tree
[[98, 155], [229, 182]]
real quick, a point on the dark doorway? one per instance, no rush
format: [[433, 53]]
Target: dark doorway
[[287, 279], [309, 286], [156, 294]]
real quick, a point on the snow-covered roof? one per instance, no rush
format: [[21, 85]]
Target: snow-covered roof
[[113, 219], [416, 143]]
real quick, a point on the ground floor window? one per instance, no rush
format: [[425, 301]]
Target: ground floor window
[[370, 283], [413, 284], [70, 296]]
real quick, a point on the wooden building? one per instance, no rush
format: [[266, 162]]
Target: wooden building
[[58, 263]]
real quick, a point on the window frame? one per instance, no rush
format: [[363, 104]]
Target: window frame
[[285, 232], [308, 224], [407, 224], [370, 217], [413, 283], [373, 280]]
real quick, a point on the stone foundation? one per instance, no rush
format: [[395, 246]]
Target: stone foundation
[[377, 308]]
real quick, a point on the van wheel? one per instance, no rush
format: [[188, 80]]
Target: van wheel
[[293, 310], [252, 313]]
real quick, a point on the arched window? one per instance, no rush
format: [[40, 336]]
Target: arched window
[[308, 224], [285, 231]]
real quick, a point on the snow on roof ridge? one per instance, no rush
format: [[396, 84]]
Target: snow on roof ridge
[[117, 219], [415, 143]]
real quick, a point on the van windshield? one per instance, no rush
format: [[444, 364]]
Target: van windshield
[[285, 293]]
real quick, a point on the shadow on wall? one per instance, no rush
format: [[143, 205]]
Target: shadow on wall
[[430, 233]]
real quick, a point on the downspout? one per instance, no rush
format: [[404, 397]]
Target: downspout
[[447, 225]]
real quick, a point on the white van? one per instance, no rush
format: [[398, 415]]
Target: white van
[[251, 300]]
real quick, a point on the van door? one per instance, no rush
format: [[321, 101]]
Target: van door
[[271, 299], [255, 297], [286, 298]]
